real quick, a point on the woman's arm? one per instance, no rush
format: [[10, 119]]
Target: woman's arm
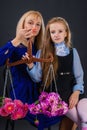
[[5, 52]]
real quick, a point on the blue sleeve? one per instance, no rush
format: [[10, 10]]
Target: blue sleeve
[[78, 72], [36, 72], [5, 52]]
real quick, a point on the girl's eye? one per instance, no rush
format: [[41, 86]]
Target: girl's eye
[[60, 31], [52, 32]]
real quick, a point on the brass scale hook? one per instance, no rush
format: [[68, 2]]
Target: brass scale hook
[[31, 58]]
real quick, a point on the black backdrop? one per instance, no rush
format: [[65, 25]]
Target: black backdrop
[[74, 11]]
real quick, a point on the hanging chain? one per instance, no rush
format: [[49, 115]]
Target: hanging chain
[[54, 78], [47, 77], [8, 74], [51, 75], [5, 84], [51, 72]]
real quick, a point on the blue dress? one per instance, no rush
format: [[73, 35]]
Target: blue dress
[[25, 89]]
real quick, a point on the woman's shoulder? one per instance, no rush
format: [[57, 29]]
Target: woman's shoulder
[[7, 45]]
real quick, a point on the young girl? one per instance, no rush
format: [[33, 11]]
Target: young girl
[[67, 68]]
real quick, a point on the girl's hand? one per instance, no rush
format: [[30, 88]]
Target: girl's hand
[[73, 100], [26, 56]]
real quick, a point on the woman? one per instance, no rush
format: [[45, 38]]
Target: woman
[[30, 26]]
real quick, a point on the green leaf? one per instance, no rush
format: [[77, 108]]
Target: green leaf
[[36, 102]]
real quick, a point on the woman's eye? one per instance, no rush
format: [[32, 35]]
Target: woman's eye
[[30, 23], [38, 24]]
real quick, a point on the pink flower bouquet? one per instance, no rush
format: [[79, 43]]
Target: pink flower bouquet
[[13, 109], [49, 104]]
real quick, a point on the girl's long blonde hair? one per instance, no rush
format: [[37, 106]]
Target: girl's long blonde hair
[[49, 47]]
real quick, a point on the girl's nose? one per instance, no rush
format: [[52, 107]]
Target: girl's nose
[[56, 34]]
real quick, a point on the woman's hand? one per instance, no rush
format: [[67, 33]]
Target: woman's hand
[[73, 100], [22, 36]]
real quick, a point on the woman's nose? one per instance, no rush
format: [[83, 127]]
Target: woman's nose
[[34, 26]]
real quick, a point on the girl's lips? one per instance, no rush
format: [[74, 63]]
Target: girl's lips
[[57, 39]]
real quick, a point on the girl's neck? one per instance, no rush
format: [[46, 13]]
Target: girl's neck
[[60, 44]]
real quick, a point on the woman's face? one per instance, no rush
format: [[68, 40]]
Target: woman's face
[[33, 24], [57, 32]]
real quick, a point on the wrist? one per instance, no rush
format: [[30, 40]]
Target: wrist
[[30, 66], [77, 92], [15, 42]]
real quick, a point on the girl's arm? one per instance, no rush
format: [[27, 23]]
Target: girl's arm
[[78, 72], [36, 71]]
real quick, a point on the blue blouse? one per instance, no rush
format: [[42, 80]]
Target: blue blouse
[[21, 80], [61, 50]]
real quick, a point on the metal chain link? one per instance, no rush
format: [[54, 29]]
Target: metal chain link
[[8, 74], [51, 70]]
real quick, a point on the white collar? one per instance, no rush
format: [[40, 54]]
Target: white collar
[[61, 49]]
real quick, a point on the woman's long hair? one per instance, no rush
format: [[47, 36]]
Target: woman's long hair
[[39, 38]]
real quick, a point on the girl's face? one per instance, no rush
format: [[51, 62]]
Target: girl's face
[[33, 24], [57, 32]]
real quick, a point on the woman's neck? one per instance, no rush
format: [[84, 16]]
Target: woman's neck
[[29, 40]]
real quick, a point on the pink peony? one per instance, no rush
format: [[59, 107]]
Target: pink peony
[[17, 114], [9, 107], [34, 109], [6, 100], [13, 109], [18, 103], [49, 104], [43, 96], [3, 112]]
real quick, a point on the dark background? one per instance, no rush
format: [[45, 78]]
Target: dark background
[[74, 11]]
